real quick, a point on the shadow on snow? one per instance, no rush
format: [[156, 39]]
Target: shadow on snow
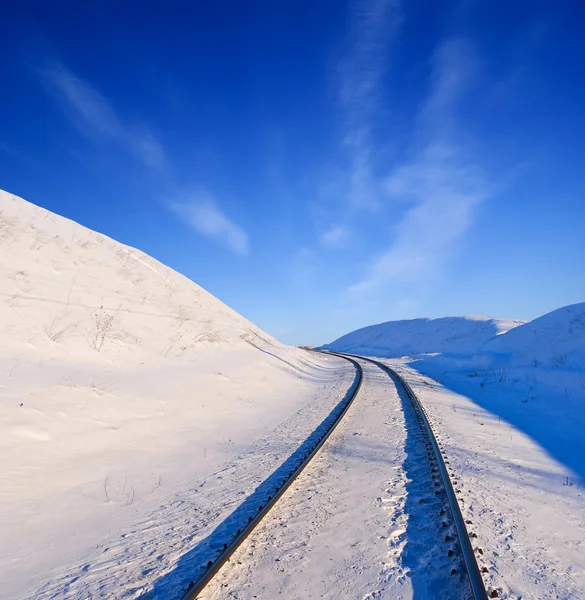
[[425, 557], [554, 421]]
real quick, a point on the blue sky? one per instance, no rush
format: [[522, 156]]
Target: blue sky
[[317, 165]]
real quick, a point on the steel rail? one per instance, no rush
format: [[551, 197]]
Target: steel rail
[[473, 573], [196, 587]]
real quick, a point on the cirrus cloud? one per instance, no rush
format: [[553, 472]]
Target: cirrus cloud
[[95, 117], [335, 236], [202, 213], [442, 183]]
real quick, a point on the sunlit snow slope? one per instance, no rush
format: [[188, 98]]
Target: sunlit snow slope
[[69, 288], [119, 378]]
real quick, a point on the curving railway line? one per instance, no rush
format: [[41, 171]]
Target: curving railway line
[[437, 465], [213, 567], [436, 456]]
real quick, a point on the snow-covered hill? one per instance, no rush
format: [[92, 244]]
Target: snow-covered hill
[[460, 335], [68, 289], [120, 380], [556, 339]]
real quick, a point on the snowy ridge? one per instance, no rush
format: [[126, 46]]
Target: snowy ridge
[[556, 339], [460, 335], [57, 275]]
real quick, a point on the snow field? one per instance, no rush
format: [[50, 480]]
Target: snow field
[[508, 400], [156, 553], [141, 416]]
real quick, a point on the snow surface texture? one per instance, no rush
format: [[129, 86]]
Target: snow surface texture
[[510, 411], [125, 389]]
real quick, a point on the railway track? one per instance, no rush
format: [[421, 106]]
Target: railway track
[[213, 567], [473, 573], [435, 456]]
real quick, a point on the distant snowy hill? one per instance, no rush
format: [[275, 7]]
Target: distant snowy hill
[[460, 335], [555, 339]]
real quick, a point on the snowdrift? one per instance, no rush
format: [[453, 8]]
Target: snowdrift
[[451, 335]]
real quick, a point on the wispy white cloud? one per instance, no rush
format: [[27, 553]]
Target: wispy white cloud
[[203, 214], [335, 237], [373, 25], [351, 185], [442, 184], [96, 118], [146, 148], [453, 67], [445, 190]]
